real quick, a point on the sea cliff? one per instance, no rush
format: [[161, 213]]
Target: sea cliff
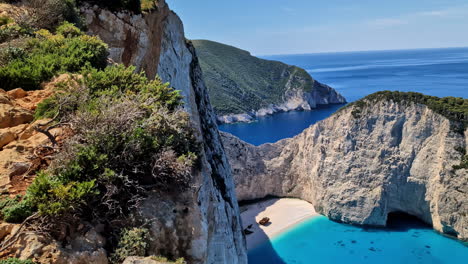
[[370, 159]]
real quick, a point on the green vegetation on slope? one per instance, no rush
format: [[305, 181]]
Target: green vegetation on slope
[[238, 82], [15, 261], [128, 137], [46, 55], [453, 108]]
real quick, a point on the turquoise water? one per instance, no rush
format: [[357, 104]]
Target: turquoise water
[[320, 240], [439, 72]]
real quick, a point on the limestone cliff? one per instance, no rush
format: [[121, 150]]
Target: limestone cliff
[[361, 164], [243, 87], [203, 227]]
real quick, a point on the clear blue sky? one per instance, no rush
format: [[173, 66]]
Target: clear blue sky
[[306, 26]]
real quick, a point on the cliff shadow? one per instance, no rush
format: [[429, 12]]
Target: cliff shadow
[[399, 222], [260, 248]]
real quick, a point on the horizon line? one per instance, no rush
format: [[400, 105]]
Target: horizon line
[[357, 51]]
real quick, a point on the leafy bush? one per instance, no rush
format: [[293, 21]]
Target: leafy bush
[[129, 134], [165, 260], [122, 80], [15, 210], [15, 261], [49, 55], [53, 198], [5, 20], [68, 30], [13, 31], [148, 4], [132, 242]]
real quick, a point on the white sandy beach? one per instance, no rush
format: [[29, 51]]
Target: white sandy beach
[[283, 213]]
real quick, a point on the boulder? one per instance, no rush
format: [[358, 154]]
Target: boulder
[[6, 136], [11, 116], [4, 99], [17, 93]]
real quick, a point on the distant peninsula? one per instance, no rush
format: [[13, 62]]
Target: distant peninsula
[[243, 87]]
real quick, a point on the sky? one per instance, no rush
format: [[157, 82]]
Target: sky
[[267, 27]]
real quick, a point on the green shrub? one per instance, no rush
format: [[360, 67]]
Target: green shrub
[[68, 30], [15, 210], [114, 81], [50, 55], [67, 98], [128, 133], [132, 242], [166, 260], [15, 261], [13, 31], [53, 197], [148, 4], [5, 20], [7, 201]]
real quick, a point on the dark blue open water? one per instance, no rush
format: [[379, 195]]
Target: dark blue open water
[[439, 72]]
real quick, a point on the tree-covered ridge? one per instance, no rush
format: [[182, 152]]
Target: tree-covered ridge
[[239, 82], [453, 108]]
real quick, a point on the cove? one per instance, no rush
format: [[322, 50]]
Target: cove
[[271, 128], [320, 240]]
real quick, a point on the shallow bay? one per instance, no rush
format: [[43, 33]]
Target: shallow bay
[[320, 240]]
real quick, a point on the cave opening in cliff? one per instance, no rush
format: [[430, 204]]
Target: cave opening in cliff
[[401, 221]]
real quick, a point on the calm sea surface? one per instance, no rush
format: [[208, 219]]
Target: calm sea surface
[[439, 72]]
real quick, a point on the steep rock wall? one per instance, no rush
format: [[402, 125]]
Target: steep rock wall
[[394, 157], [202, 225]]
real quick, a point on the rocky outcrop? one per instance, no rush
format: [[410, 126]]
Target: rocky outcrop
[[203, 226], [83, 249], [294, 99], [18, 138], [359, 165]]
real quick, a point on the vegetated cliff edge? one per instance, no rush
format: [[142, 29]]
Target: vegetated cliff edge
[[199, 222], [242, 86], [386, 153], [208, 230]]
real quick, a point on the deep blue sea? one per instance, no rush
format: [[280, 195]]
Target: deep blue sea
[[439, 72], [320, 240]]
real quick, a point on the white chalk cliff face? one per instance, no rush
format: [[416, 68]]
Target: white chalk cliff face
[[392, 157], [203, 225]]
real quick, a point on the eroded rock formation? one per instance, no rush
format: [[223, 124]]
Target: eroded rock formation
[[202, 226], [359, 167]]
